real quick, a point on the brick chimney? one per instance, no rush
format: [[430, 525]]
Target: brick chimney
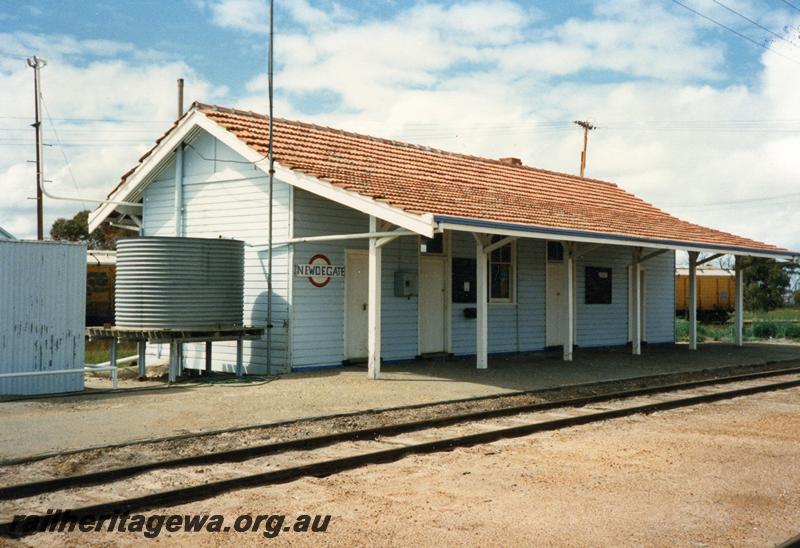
[[511, 161]]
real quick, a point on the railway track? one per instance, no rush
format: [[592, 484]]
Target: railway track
[[194, 478]]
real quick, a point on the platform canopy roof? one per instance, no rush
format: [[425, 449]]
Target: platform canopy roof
[[446, 190]]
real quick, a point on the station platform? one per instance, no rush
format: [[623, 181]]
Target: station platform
[[147, 410]]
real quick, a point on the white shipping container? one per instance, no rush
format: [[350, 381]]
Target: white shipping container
[[42, 315]]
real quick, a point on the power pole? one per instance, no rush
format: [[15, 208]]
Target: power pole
[[36, 64], [587, 127]]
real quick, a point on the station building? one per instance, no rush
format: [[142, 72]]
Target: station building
[[384, 250]]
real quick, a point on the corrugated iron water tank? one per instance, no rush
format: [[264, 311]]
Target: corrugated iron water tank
[[179, 283]]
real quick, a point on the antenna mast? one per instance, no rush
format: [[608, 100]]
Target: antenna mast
[[271, 177]]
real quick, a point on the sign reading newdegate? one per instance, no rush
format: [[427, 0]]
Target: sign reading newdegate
[[319, 270]]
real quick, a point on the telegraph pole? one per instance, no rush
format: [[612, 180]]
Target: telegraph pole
[[587, 127], [36, 64]]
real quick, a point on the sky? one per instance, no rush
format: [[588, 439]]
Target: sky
[[700, 120]]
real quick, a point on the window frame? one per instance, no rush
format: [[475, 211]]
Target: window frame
[[512, 298]]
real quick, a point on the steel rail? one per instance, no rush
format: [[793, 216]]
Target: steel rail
[[184, 495], [362, 412], [189, 494], [13, 492], [793, 542]]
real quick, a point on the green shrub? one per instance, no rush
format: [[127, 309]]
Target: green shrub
[[792, 331], [681, 329], [714, 332], [766, 330]]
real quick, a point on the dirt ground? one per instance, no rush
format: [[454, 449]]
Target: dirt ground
[[74, 463], [54, 424], [722, 474]]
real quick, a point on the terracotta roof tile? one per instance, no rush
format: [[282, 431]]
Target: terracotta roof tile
[[419, 179]]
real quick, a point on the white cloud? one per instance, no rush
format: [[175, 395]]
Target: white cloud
[[252, 16], [113, 87], [247, 15], [306, 14], [487, 78], [420, 80]]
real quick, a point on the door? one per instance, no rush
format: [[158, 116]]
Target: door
[[632, 300], [356, 298], [556, 305], [432, 309]]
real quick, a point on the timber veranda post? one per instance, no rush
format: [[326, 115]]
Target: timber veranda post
[[692, 304], [374, 303], [482, 302], [569, 287]]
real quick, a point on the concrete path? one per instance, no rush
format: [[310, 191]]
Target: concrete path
[[39, 426]]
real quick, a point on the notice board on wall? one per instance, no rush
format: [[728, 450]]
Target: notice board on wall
[[598, 285]]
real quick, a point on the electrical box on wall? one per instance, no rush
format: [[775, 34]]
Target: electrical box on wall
[[405, 284]]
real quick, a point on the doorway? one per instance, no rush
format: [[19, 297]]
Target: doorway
[[556, 304], [356, 297], [433, 305]]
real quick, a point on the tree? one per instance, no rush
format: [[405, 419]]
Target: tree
[[765, 282], [77, 230]]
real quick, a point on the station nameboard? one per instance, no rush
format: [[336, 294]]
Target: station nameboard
[[319, 270]]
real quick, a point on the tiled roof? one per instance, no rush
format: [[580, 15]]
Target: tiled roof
[[422, 180]]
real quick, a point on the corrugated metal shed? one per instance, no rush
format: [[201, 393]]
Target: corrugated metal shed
[[42, 315]]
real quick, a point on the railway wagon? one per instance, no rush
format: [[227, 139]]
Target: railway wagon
[[716, 293], [101, 268]]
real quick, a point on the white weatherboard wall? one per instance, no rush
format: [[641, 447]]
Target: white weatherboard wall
[[224, 196], [520, 326], [318, 313], [42, 315], [607, 324], [660, 298], [513, 327]]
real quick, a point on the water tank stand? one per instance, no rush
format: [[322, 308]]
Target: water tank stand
[[175, 338]]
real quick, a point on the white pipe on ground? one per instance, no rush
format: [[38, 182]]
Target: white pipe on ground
[[129, 359]]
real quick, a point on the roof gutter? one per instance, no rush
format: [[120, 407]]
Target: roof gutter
[[546, 233]]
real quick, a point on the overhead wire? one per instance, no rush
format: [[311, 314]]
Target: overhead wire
[[790, 5], [246, 162], [736, 32], [762, 201], [61, 149], [105, 120], [756, 23]]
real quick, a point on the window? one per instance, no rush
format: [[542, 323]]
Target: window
[[598, 285], [555, 252], [501, 273], [433, 246]]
